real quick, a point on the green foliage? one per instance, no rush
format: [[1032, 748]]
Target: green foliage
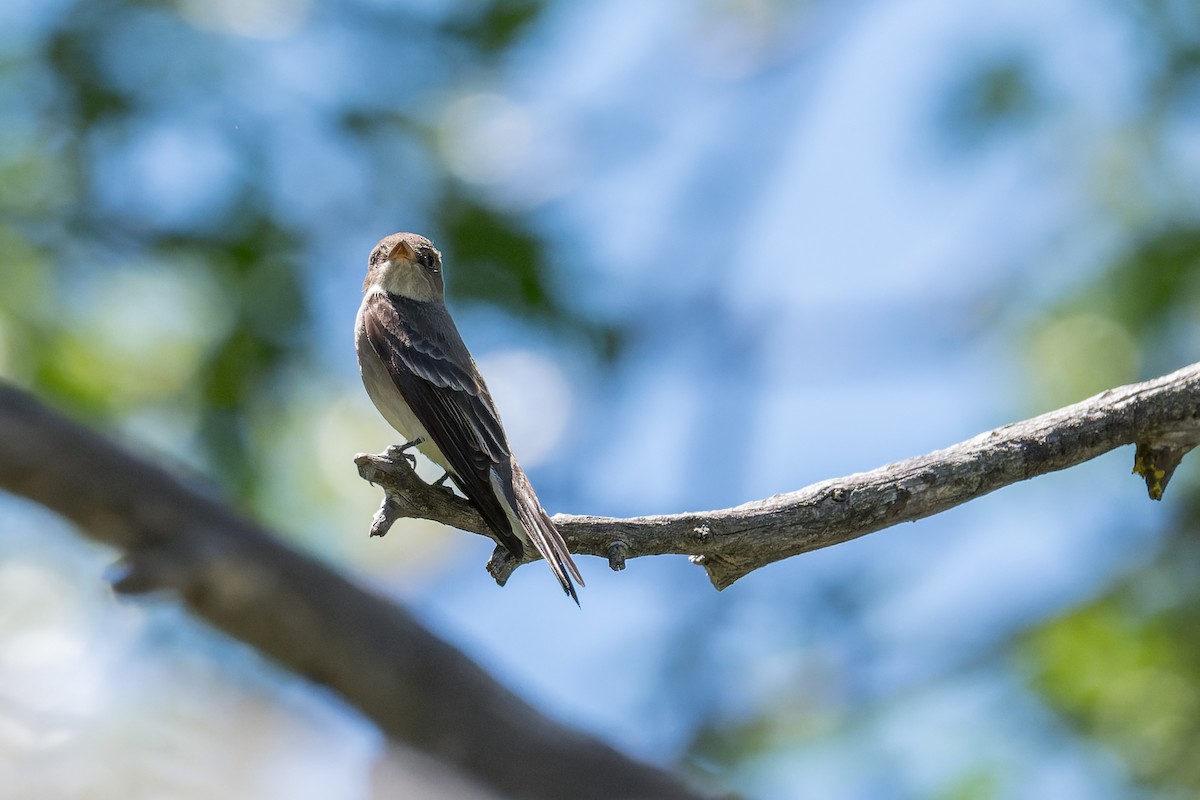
[[494, 260], [1155, 280], [494, 26], [232, 286], [497, 261], [90, 97], [976, 786], [997, 95], [1125, 670]]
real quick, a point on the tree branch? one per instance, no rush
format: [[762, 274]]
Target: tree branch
[[1161, 416], [422, 691], [296, 610]]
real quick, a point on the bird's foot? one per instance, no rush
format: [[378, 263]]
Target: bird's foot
[[397, 451], [440, 483]]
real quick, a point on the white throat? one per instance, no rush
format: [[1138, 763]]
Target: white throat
[[404, 279]]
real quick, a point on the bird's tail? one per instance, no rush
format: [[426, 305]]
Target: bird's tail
[[543, 535]]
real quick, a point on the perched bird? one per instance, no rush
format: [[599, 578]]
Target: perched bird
[[424, 382]]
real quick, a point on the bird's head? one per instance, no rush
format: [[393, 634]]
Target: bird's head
[[408, 265]]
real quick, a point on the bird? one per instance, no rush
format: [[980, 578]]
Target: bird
[[424, 382]]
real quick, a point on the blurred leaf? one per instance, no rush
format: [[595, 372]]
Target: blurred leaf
[[72, 52], [497, 262], [992, 97], [497, 24], [979, 785], [1125, 670], [1157, 277], [494, 260], [255, 265], [1073, 356]]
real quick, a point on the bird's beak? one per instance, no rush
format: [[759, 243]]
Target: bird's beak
[[402, 251]]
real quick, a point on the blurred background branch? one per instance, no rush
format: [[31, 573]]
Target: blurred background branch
[[246, 582]]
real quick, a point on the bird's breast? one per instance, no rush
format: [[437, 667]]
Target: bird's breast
[[387, 398]]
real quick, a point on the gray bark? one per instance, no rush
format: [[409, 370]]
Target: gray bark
[[1160, 416], [246, 582], [425, 693]]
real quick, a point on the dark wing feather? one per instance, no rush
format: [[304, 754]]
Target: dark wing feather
[[434, 373]]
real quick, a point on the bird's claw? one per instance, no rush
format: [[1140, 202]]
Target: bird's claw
[[399, 451], [440, 483]]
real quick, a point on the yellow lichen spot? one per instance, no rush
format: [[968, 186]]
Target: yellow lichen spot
[[1156, 489], [1153, 476]]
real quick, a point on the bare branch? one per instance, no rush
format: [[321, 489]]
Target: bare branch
[[422, 691], [1161, 416], [244, 581]]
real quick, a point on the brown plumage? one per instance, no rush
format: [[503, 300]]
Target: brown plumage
[[423, 380]]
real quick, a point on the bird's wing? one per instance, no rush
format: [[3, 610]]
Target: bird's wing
[[433, 371]]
